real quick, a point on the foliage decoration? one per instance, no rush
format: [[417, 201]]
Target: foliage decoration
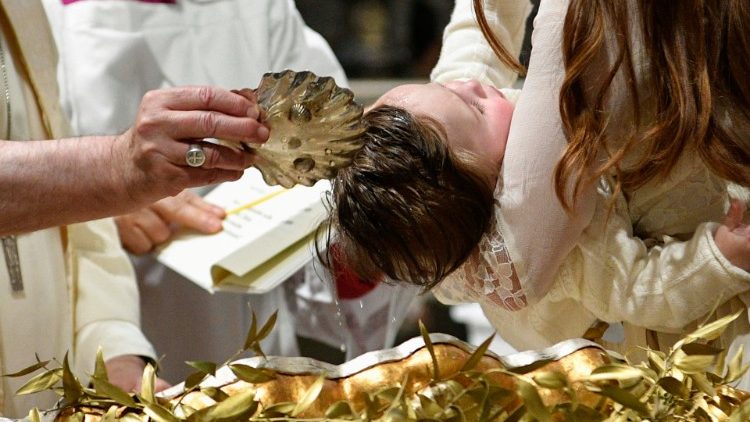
[[690, 382]]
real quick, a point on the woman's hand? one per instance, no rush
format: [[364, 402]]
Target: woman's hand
[[733, 237]]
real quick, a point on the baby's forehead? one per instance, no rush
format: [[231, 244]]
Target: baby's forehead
[[417, 98], [400, 96]]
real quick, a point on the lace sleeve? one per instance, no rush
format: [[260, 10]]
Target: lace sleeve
[[487, 276]]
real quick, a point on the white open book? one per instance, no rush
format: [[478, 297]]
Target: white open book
[[268, 235]]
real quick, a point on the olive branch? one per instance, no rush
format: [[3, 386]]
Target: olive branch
[[690, 382]]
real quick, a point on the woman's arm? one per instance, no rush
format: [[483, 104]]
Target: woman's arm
[[467, 55], [618, 277], [611, 276], [537, 231], [530, 222]]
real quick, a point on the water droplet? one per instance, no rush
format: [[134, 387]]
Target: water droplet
[[293, 143], [304, 164], [342, 347], [393, 320], [361, 305], [328, 151], [332, 163]]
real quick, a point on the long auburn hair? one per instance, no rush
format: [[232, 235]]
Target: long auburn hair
[[698, 61]]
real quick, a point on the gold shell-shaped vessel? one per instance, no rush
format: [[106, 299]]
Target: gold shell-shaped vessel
[[315, 128]]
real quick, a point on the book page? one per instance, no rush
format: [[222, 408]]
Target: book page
[[267, 236]]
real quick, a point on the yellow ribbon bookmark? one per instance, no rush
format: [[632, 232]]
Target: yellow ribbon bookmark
[[258, 201]]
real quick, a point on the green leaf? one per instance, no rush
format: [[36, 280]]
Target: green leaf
[[517, 414], [551, 379], [533, 402], [131, 417], [371, 407], [100, 369], [692, 364], [499, 396], [113, 392], [252, 333], [34, 415], [431, 349], [267, 327], [216, 394], [456, 414], [71, 386], [388, 394], [615, 372], [475, 357], [208, 368], [674, 387], [310, 395], [395, 415], [27, 370], [41, 382], [252, 375], [742, 413], [720, 364], [237, 407], [479, 394], [581, 414], [77, 416], [194, 379], [714, 329], [656, 361], [428, 407], [185, 412], [257, 350], [340, 410], [159, 413], [700, 349], [735, 370], [147, 384], [111, 415], [703, 384], [283, 408], [624, 398]]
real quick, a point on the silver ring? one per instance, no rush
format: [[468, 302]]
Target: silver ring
[[195, 156]]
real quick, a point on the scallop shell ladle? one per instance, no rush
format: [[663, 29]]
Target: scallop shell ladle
[[315, 128]]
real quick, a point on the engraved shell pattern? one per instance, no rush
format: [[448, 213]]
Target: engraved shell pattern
[[315, 128]]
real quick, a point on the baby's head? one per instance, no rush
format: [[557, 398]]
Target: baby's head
[[418, 197]]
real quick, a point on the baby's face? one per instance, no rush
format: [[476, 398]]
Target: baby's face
[[476, 117]]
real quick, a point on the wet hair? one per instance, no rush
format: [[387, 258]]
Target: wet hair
[[408, 207], [697, 54]]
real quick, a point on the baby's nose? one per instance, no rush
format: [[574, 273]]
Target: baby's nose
[[475, 88]]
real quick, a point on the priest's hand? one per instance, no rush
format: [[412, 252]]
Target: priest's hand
[[126, 372], [155, 157], [143, 230]]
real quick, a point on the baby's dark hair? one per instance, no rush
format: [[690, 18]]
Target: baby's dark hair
[[408, 207]]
